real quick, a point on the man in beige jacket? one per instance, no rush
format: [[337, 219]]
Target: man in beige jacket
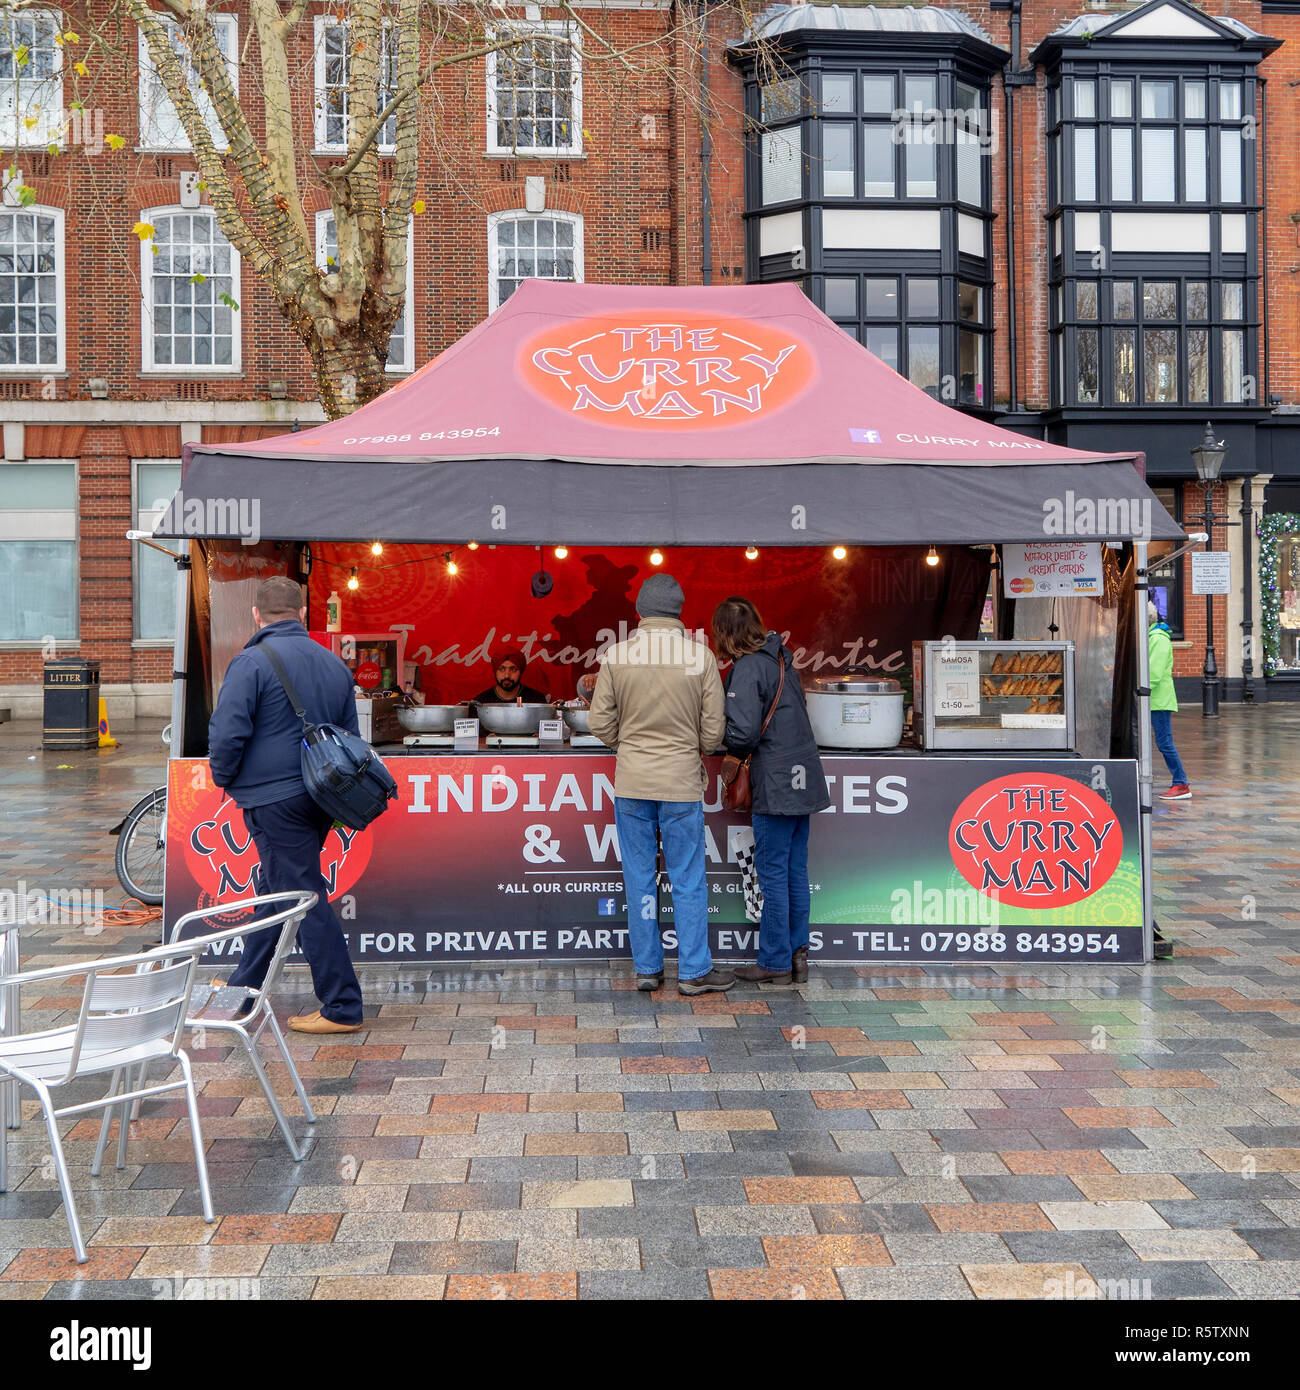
[[659, 703]]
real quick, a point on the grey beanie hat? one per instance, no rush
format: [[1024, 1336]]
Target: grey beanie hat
[[660, 597]]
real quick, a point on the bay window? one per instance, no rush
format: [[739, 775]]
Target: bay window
[[868, 181], [1153, 227]]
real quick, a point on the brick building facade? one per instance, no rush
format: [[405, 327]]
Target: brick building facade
[[619, 195]]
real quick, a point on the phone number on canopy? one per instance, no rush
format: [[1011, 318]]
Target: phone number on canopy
[[469, 432]]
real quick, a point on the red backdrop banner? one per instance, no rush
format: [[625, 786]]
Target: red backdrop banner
[[865, 610]]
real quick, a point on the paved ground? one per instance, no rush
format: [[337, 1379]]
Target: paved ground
[[879, 1133]]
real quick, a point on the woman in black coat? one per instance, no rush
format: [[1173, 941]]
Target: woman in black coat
[[787, 781]]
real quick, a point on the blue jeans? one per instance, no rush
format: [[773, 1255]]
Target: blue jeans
[[781, 860], [681, 826], [1162, 728]]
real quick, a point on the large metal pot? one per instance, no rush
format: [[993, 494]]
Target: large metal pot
[[430, 719], [514, 720], [856, 710]]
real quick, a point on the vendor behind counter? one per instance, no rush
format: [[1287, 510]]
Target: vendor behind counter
[[508, 666]]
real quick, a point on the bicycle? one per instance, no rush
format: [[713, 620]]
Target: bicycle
[[141, 854]]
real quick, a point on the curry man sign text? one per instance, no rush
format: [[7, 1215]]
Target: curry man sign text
[[690, 371]]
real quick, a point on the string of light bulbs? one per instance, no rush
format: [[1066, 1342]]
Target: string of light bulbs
[[561, 552], [448, 557]]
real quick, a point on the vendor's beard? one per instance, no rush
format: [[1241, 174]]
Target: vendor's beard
[[508, 686]]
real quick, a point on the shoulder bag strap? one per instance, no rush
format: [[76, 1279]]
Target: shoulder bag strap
[[780, 686], [282, 676]]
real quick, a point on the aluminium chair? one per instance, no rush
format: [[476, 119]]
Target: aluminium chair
[[126, 1020], [247, 1029], [10, 1111]]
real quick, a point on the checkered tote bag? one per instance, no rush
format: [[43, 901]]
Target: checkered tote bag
[[740, 847]]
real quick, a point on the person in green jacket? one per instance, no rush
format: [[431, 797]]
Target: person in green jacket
[[1164, 703]]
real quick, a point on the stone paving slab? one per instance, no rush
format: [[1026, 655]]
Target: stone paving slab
[[885, 1132]]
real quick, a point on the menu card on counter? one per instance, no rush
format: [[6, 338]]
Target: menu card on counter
[[465, 733], [551, 731]]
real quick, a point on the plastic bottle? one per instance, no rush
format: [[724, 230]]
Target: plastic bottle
[[334, 613]]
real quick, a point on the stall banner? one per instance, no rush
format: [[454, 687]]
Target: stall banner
[[864, 610], [483, 858]]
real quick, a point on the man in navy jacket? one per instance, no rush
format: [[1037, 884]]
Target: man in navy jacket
[[254, 750]]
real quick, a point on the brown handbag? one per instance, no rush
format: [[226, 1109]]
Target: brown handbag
[[737, 793]]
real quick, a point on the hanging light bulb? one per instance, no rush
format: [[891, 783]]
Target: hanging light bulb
[[932, 556], [473, 545], [353, 581], [377, 548], [452, 567], [751, 552], [839, 552], [656, 556], [561, 552]]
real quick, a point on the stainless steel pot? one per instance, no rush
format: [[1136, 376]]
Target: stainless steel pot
[[430, 719], [514, 719], [856, 711], [577, 719]]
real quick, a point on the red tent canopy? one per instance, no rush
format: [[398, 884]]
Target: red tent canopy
[[639, 414], [660, 375]]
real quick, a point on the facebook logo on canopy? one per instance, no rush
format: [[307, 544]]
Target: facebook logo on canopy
[[864, 436], [605, 907]]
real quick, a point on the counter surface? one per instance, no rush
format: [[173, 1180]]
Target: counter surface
[[399, 750]]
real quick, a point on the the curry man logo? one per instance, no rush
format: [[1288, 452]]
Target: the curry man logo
[[686, 371], [1037, 840], [222, 858]]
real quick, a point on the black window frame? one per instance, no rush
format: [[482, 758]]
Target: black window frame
[[1103, 74], [951, 387], [1070, 267], [1066, 325], [959, 68]]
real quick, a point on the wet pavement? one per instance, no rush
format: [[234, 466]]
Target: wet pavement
[[882, 1132]]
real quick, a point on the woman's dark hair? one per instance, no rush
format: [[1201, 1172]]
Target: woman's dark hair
[[737, 628]]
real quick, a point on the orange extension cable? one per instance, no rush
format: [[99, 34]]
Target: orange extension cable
[[126, 916]]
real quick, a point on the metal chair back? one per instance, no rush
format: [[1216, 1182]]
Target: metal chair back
[[121, 1012], [298, 902]]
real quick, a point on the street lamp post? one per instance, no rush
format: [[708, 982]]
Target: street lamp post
[[1208, 457]]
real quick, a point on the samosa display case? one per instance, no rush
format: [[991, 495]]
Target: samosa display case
[[993, 695]]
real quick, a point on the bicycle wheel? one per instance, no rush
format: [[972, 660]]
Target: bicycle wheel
[[141, 848]]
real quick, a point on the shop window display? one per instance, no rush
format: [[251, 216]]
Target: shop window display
[[1279, 570]]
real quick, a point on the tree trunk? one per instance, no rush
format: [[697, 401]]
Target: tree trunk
[[348, 371]]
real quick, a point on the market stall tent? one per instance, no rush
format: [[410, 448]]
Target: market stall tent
[[633, 415], [660, 415]]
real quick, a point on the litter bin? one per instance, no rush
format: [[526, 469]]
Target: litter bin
[[71, 703]]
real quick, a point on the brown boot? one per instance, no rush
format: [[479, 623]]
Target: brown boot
[[718, 980], [799, 966], [757, 975]]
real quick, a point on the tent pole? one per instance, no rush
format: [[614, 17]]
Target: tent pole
[[180, 651], [1144, 746]]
